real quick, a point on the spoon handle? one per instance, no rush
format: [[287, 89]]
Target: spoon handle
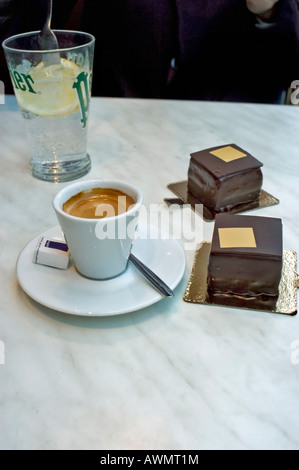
[[151, 277], [47, 40], [49, 13]]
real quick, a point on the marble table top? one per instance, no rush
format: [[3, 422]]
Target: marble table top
[[174, 375]]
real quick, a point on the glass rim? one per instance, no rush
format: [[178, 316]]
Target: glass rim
[[45, 51]]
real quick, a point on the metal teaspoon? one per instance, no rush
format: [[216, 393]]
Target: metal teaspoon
[[47, 39], [154, 280]]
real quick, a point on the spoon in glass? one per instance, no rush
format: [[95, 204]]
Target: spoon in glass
[[47, 39]]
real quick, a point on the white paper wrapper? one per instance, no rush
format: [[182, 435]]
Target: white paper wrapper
[[54, 253]]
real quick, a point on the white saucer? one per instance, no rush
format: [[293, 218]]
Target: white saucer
[[69, 292]]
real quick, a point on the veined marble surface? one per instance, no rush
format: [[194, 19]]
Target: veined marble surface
[[174, 375]]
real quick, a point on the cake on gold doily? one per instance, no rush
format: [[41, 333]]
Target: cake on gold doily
[[223, 179], [245, 267]]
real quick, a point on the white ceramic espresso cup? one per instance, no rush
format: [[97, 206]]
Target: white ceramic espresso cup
[[100, 248]]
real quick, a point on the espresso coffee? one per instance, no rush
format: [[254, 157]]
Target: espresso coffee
[[98, 203]]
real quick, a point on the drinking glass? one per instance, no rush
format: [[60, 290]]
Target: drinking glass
[[53, 97]]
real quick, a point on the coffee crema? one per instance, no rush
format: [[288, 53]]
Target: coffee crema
[[98, 203]]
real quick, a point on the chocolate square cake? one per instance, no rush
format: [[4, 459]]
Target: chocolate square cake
[[245, 261], [225, 177]]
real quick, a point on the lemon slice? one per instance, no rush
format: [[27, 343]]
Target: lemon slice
[[52, 84]]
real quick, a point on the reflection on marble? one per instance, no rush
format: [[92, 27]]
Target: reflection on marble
[[172, 376]]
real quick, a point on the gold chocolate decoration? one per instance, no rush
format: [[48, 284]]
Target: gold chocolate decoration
[[236, 237], [197, 289], [228, 154]]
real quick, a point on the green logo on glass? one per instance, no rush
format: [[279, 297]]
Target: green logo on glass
[[82, 85], [22, 81], [82, 88]]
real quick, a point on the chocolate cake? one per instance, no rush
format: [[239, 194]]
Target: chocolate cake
[[245, 261], [225, 177]]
